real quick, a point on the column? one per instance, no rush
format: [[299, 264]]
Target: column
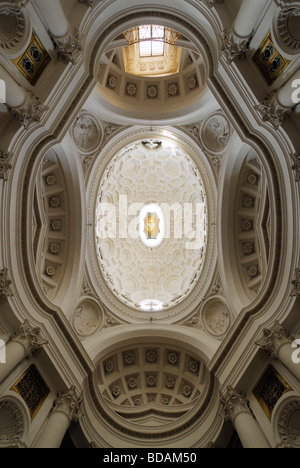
[[248, 16], [65, 39], [15, 95], [66, 409], [279, 345], [26, 340], [23, 104], [235, 44], [236, 409], [286, 94], [280, 103]]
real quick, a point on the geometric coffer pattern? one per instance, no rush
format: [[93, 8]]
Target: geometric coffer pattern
[[168, 273], [157, 379]]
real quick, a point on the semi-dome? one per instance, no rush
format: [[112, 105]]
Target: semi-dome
[[152, 66]]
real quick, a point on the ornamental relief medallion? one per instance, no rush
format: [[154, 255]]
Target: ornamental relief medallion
[[87, 133]]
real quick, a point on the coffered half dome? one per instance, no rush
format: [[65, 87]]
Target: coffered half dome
[[153, 390], [151, 67]]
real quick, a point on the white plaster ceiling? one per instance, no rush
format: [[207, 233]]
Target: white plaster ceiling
[[133, 271]]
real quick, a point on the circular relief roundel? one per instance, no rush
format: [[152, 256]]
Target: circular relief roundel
[[87, 133]]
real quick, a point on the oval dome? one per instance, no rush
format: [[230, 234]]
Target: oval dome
[[151, 227]]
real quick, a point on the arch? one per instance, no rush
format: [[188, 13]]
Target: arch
[[190, 339], [118, 431], [286, 421], [13, 422], [178, 139]]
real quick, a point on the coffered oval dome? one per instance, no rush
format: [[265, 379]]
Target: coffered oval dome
[[151, 190]]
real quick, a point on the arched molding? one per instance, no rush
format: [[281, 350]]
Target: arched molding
[[16, 30], [124, 139], [252, 224], [136, 16], [285, 30], [286, 421], [190, 339], [14, 422], [64, 212]]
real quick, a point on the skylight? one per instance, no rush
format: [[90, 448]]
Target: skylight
[[151, 41]]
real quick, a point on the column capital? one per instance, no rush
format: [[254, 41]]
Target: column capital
[[296, 166], [211, 3], [30, 111], [5, 282], [68, 47], [89, 3], [273, 338], [29, 337], [21, 3], [296, 281], [272, 111], [234, 403], [69, 404], [5, 166], [234, 47]]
